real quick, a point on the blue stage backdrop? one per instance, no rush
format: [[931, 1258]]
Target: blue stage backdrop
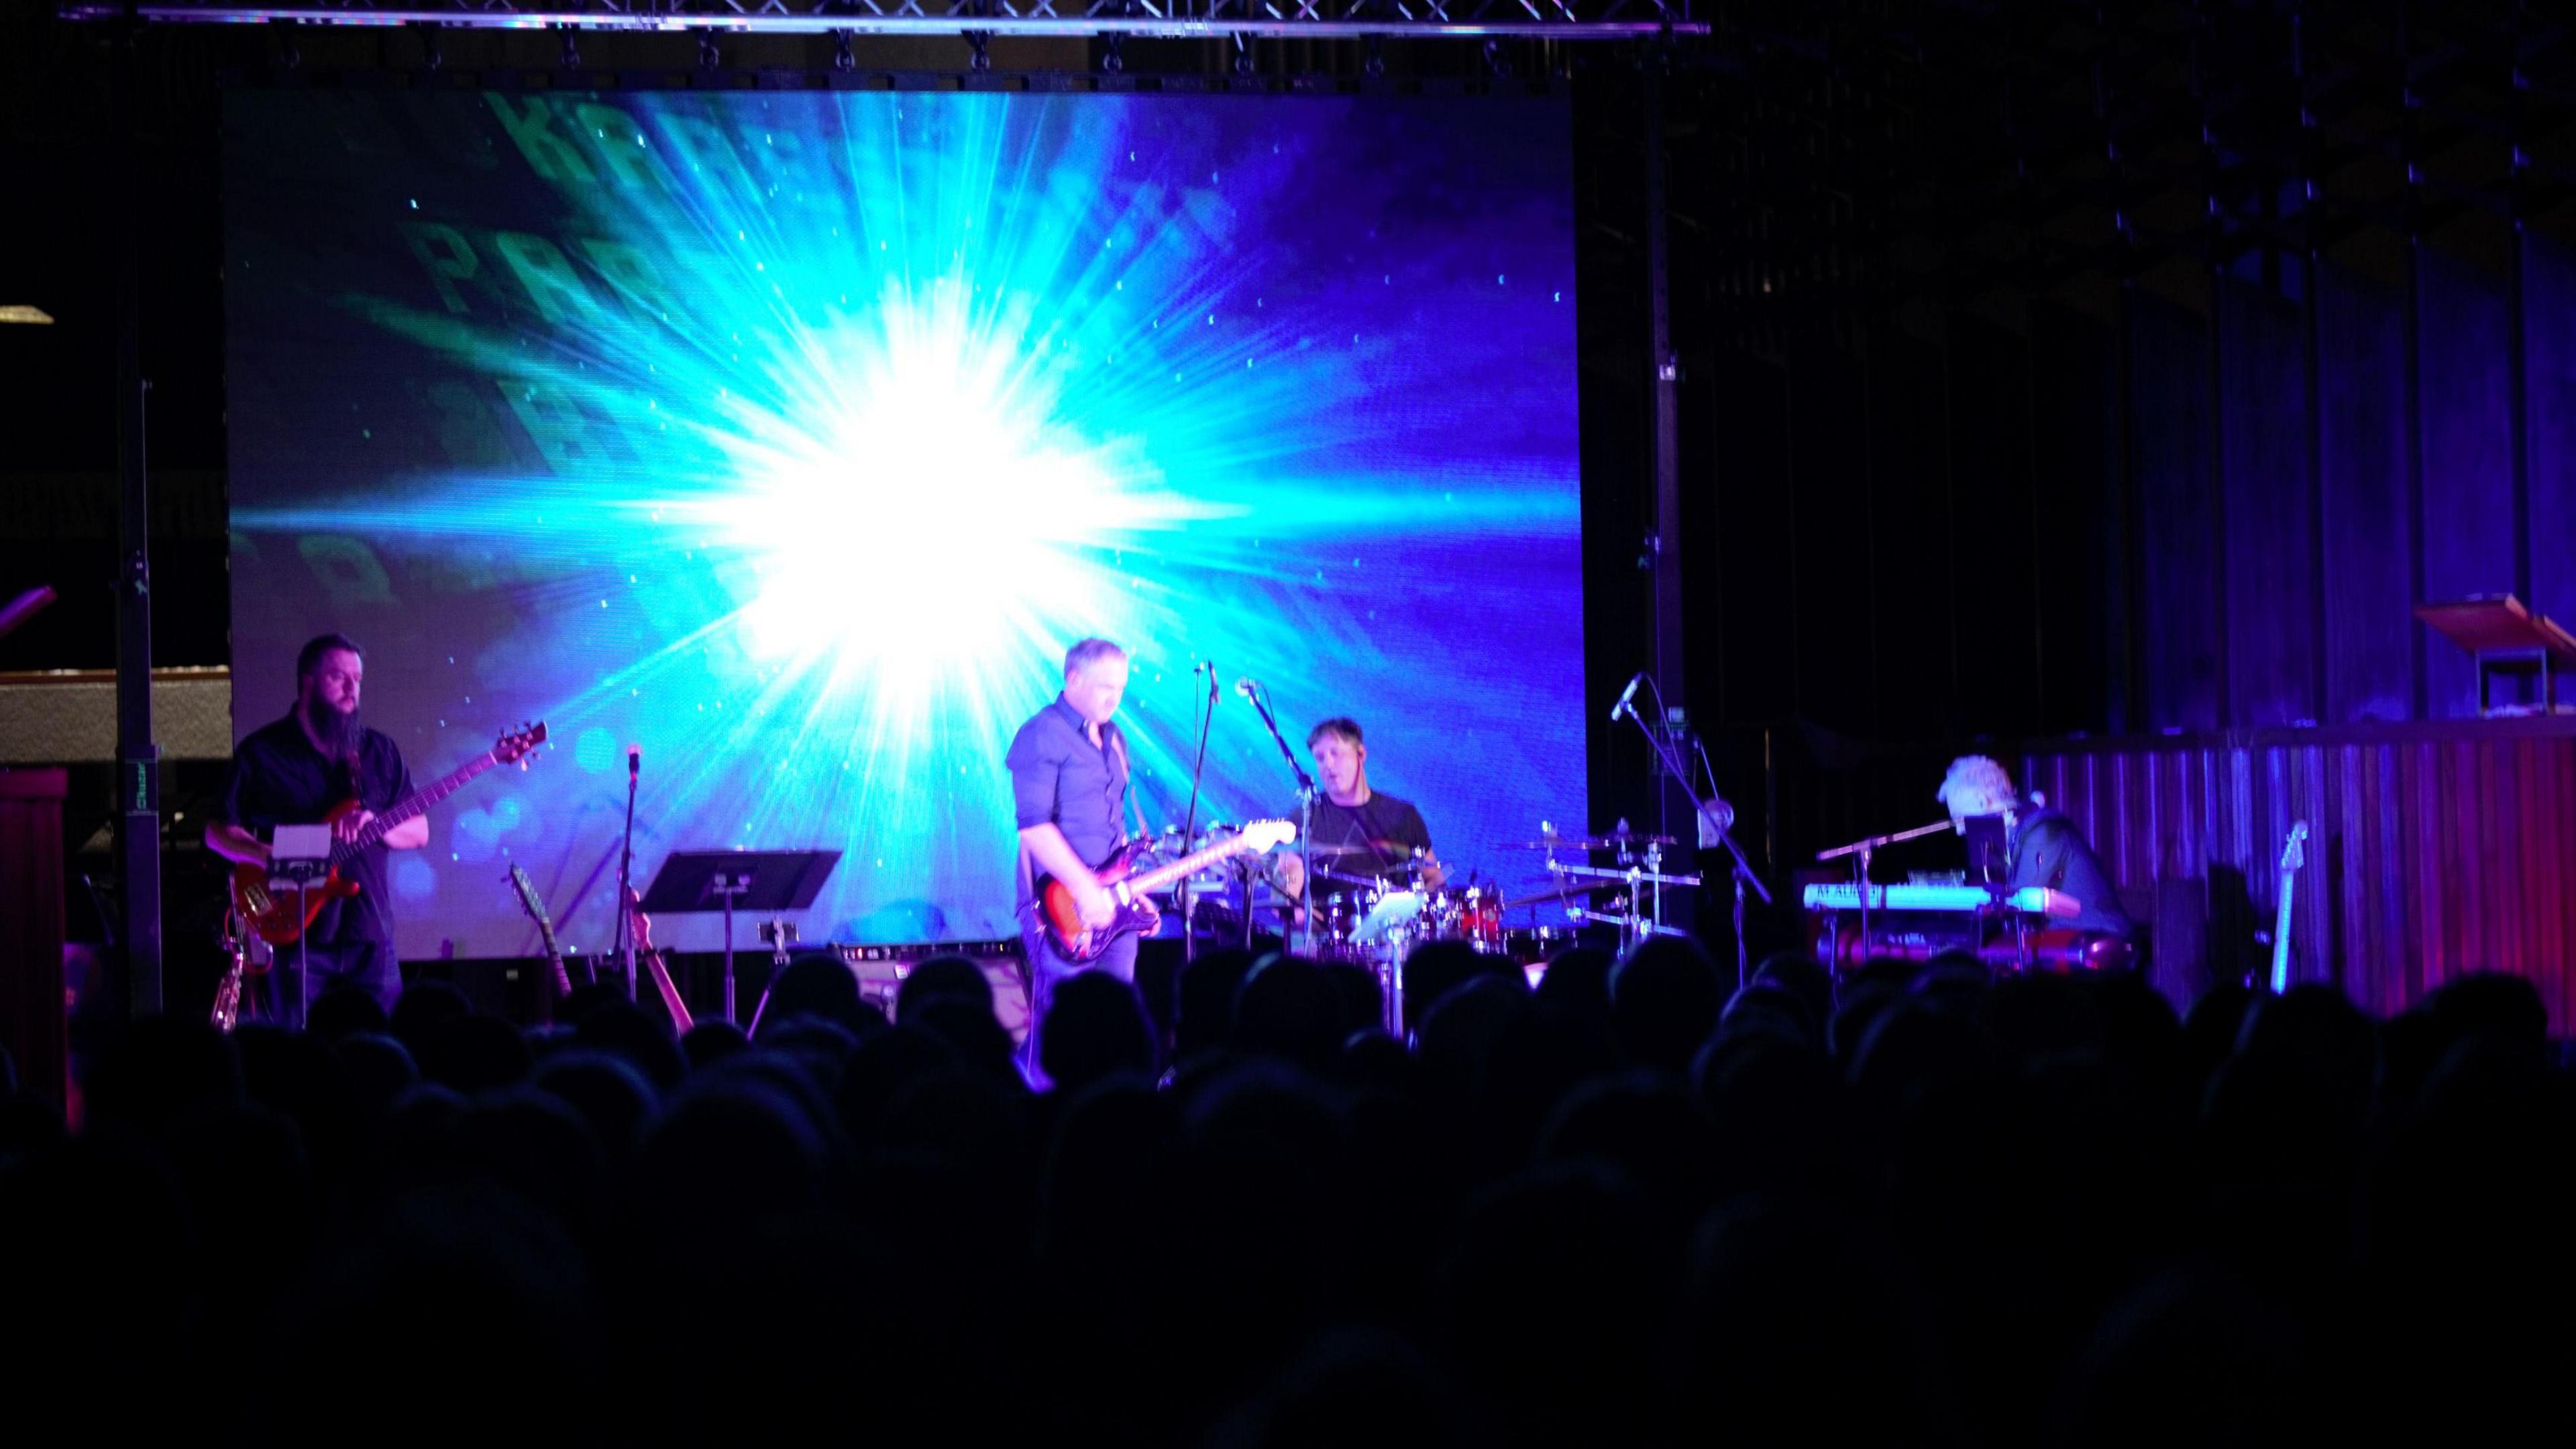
[[794, 436]]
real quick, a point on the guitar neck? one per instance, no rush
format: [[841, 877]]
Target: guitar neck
[[1195, 861], [413, 804], [2281, 934]]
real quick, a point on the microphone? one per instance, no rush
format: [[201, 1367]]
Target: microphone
[[634, 761], [1626, 695], [1245, 687]]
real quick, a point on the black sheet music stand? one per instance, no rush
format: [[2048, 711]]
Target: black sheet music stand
[[767, 881]]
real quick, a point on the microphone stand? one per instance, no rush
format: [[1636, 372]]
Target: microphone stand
[[1860, 851], [625, 947], [1190, 826], [1305, 819], [1743, 869]]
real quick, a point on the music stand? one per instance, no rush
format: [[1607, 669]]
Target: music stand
[[299, 855], [771, 881]]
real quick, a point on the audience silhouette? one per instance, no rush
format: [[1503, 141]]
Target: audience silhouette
[[1640, 1205]]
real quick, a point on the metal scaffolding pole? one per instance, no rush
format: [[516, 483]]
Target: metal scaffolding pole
[[138, 758]]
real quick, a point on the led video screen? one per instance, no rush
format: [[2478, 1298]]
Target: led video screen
[[793, 436]]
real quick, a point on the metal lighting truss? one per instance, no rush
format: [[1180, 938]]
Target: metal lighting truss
[[1202, 19]]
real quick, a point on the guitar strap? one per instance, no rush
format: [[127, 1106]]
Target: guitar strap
[[1127, 784]]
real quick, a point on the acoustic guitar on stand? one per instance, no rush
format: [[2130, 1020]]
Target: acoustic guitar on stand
[[274, 916]]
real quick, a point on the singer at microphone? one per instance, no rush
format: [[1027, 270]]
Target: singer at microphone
[[1358, 831]]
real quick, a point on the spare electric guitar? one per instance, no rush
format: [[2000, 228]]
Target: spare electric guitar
[[526, 890], [1059, 918], [279, 917], [2293, 855], [650, 957]]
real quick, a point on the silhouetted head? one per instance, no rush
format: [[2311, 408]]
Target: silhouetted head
[[1664, 1002], [711, 1041], [1577, 981], [880, 1070], [981, 1044], [1798, 973], [817, 986], [943, 978], [379, 1069], [623, 1028], [1363, 1004], [424, 1004], [1436, 968], [343, 1009], [1095, 1028], [1287, 1008], [2503, 1009], [608, 1092]]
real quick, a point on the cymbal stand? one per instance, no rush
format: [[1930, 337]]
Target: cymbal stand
[[1643, 914]]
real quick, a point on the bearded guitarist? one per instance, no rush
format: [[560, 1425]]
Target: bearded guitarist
[[293, 772]]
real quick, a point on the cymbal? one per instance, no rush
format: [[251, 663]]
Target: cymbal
[[1589, 842]]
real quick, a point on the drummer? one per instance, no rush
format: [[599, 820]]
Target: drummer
[[1357, 833]]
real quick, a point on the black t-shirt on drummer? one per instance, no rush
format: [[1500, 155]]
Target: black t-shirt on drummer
[[1383, 834]]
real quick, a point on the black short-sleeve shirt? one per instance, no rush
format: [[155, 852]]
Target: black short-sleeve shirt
[[278, 778], [1384, 832]]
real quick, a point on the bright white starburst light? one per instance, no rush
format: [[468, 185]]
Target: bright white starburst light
[[923, 510]]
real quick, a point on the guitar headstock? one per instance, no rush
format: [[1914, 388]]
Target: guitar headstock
[[2294, 853], [526, 890], [1265, 834], [512, 749]]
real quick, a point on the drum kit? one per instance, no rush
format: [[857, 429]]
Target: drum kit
[[1373, 911]]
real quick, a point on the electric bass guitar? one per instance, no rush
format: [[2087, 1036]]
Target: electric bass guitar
[[274, 916], [1059, 919], [2293, 855], [526, 890]]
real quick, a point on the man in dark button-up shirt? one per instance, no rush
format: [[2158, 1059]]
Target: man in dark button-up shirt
[[1068, 789]]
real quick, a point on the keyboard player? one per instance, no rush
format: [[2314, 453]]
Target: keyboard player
[[2015, 843]]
